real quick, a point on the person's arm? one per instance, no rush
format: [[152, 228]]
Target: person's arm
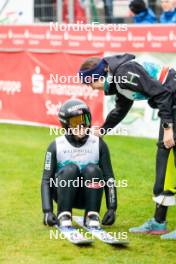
[[110, 189], [159, 96], [140, 81], [48, 173], [123, 105]]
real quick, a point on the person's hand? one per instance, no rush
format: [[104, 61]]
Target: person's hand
[[168, 138], [109, 217], [50, 219]]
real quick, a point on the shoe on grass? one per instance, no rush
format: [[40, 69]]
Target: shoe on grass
[[150, 227], [169, 236]]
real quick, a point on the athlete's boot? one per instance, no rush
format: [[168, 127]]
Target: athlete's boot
[[92, 220], [65, 219]]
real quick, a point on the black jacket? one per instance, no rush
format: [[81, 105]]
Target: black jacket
[[159, 95]]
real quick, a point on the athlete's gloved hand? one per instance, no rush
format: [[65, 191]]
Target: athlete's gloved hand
[[109, 217], [50, 219]]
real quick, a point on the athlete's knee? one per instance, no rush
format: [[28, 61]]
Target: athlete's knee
[[91, 168], [92, 171], [69, 171]]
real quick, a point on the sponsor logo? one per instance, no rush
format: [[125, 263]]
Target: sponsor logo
[[37, 81], [48, 161], [132, 76], [71, 90], [60, 85], [10, 87], [52, 108], [76, 107], [71, 151]]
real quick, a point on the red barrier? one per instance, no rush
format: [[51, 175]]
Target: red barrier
[[28, 93], [148, 38]]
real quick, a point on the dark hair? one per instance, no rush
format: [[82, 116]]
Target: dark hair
[[137, 6], [90, 63]]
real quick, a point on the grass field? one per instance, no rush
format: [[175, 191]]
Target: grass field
[[24, 239]]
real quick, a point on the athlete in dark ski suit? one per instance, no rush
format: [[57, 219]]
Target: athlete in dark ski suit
[[68, 158]]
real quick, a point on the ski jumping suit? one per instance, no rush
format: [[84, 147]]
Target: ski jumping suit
[[85, 159]]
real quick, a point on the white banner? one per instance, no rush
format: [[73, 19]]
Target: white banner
[[16, 12]]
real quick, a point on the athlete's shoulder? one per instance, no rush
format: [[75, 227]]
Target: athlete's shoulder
[[52, 146]]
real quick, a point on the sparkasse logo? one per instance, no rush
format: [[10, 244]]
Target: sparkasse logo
[[37, 81]]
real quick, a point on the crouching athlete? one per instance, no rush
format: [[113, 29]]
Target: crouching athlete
[[80, 156]]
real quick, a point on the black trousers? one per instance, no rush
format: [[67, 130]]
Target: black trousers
[[162, 161], [67, 195]]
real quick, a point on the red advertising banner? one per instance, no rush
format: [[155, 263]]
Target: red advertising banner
[[29, 55], [89, 38], [34, 85]]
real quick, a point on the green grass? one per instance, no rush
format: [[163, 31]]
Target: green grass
[[23, 238]]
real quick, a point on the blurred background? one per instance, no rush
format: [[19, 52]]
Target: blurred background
[[103, 11], [31, 50]]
